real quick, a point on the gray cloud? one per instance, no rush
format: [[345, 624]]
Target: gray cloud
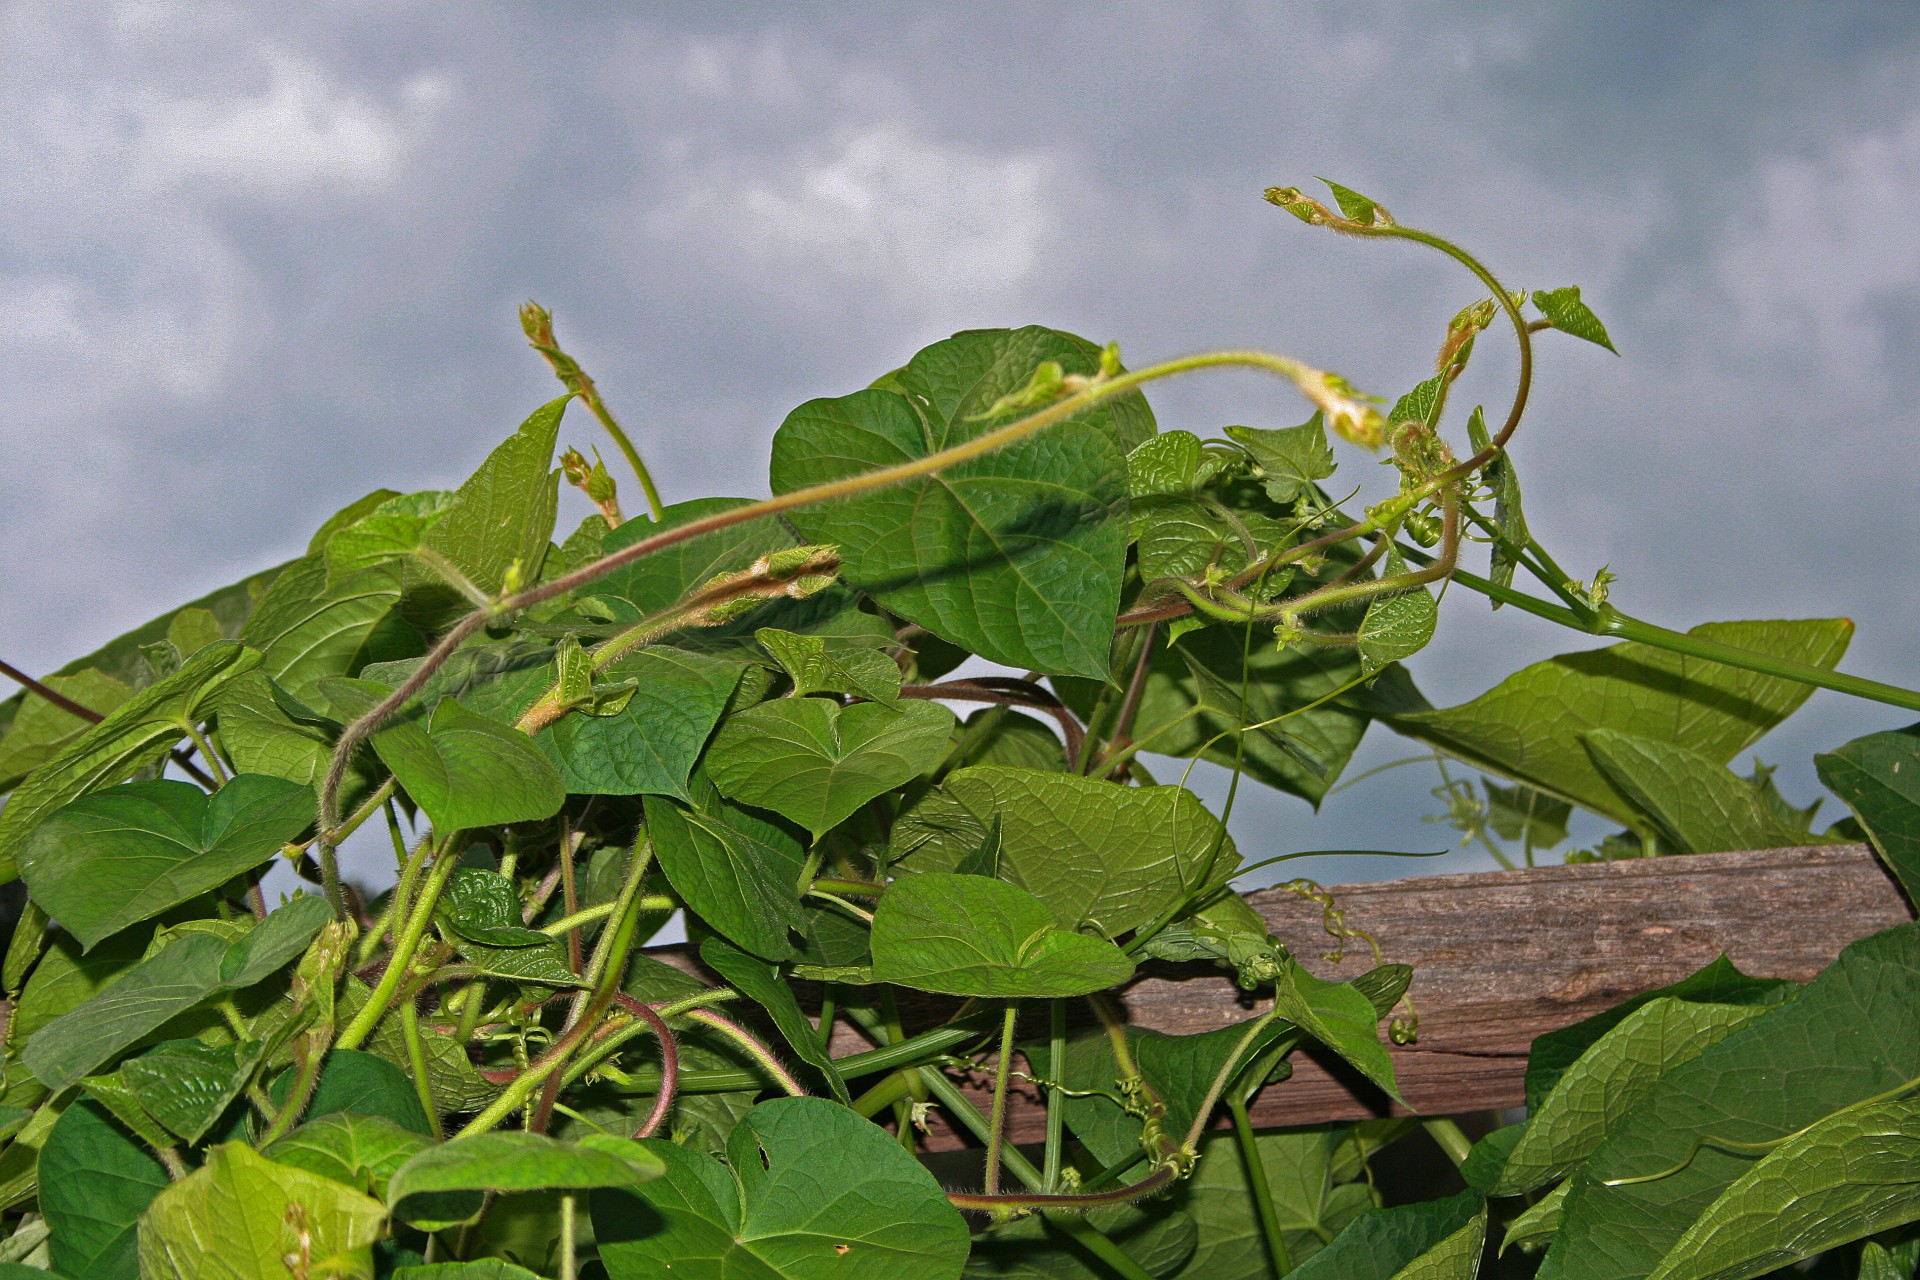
[[258, 259]]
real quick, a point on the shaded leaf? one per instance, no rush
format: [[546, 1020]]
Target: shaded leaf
[[361, 1083], [307, 632], [1878, 777], [1609, 1079], [1158, 1237], [482, 906], [814, 1191], [1845, 1038], [1537, 1224], [41, 730], [1313, 1196], [1381, 1242], [1851, 1175], [1016, 555], [95, 1182], [116, 857], [971, 936], [815, 761]]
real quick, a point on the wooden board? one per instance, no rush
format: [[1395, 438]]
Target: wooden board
[[1502, 957]]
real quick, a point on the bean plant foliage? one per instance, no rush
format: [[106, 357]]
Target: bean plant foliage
[[914, 890]]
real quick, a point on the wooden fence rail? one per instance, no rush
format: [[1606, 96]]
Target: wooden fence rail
[[1502, 957]]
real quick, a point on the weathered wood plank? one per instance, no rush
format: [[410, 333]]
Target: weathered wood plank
[[1502, 957]]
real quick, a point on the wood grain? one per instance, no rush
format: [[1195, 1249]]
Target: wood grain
[[1502, 957]]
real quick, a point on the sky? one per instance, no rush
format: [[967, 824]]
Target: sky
[[259, 259]]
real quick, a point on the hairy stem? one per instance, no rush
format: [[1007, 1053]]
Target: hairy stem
[[997, 1124]]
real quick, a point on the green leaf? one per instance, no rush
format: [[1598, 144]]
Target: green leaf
[[1171, 464], [1846, 1038], [394, 530], [1609, 1079], [307, 631], [485, 1269], [264, 729], [241, 1215], [1191, 537], [1878, 777], [1157, 1237], [656, 581], [361, 1083], [761, 983], [1527, 728], [507, 1161], [815, 761], [545, 965], [1113, 857], [1016, 555], [1718, 983], [814, 666], [187, 1084], [1288, 460], [1314, 1196], [261, 952], [1455, 1258], [1396, 626], [650, 746], [1849, 1176], [95, 1182], [1699, 805], [66, 977], [169, 982], [360, 1151], [41, 730], [172, 980], [116, 857], [1538, 1224], [482, 906], [1570, 315], [504, 512], [971, 936], [1340, 1016], [462, 768], [1380, 1243], [138, 732], [739, 874], [1356, 206], [814, 1192]]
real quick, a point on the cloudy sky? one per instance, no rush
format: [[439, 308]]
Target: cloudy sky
[[258, 259]]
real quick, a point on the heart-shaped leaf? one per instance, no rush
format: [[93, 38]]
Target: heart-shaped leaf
[[1016, 555], [810, 1192], [116, 857], [815, 761]]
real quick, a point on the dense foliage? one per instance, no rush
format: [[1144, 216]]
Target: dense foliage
[[901, 914]]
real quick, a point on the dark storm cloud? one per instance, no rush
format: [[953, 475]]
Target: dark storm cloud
[[257, 260]]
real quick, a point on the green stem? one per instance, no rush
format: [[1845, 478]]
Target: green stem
[[1056, 1101], [1609, 621], [206, 753], [997, 1123], [308, 1075], [419, 917], [567, 1211], [417, 1063], [1257, 1188], [1088, 1237], [1447, 1135], [752, 1047]]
